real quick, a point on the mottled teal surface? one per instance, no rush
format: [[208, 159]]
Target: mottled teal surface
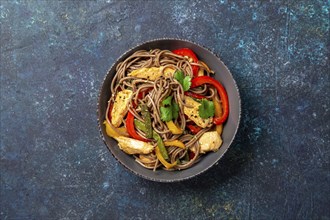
[[54, 56]]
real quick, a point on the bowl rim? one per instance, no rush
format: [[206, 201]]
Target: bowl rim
[[100, 123]]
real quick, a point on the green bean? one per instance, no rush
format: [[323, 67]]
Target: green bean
[[147, 120], [140, 125]]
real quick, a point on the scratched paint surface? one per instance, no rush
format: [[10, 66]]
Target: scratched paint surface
[[54, 55]]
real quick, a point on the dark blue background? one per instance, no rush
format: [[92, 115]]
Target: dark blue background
[[55, 54]]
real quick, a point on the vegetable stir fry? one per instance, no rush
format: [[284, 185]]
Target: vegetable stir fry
[[166, 109]]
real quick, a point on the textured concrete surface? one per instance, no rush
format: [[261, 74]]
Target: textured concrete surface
[[54, 55]]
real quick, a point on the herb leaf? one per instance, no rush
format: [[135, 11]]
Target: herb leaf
[[167, 101], [169, 110], [206, 109], [178, 75], [166, 113], [185, 81], [175, 111]]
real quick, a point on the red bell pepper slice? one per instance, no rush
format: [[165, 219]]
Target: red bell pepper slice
[[194, 128], [189, 53], [200, 80], [194, 95], [130, 119], [191, 155], [142, 94], [131, 129]]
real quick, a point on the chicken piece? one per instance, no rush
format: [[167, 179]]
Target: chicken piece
[[193, 113], [146, 159], [210, 141], [133, 146], [120, 107], [168, 71], [152, 73]]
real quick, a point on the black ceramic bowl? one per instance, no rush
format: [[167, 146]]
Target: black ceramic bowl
[[222, 74]]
